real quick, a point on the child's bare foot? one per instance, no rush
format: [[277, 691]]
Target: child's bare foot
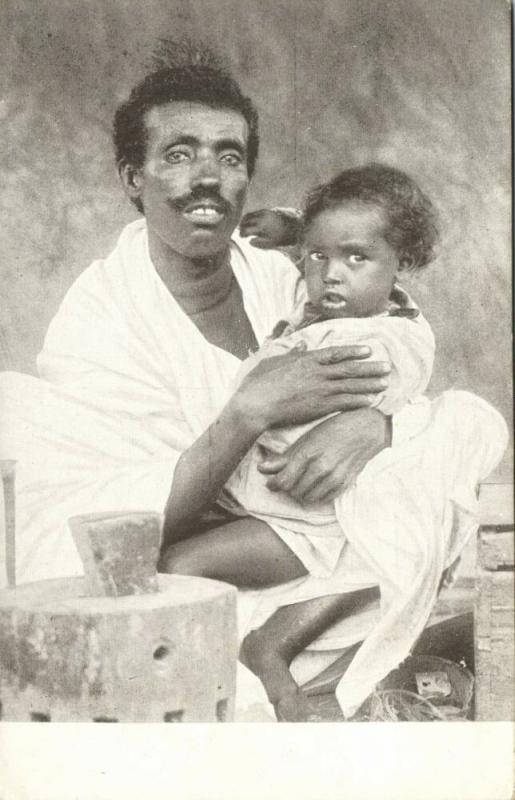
[[296, 707], [265, 660], [272, 668], [289, 701]]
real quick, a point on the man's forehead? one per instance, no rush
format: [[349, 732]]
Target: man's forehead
[[201, 121]]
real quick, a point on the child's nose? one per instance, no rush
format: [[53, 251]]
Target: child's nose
[[335, 272]]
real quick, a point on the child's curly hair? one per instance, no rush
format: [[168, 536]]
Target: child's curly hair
[[413, 221]]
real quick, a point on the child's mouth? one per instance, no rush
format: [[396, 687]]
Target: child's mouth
[[333, 300]]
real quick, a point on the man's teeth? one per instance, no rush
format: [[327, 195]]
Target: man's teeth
[[205, 212]]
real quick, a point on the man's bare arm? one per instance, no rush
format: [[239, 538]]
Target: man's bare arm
[[284, 390]]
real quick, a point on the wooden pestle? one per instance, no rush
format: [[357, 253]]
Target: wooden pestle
[[119, 551]]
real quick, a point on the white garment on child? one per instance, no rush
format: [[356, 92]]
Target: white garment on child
[[313, 532]]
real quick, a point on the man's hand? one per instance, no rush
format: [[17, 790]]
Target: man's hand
[[329, 457], [302, 386], [270, 229]]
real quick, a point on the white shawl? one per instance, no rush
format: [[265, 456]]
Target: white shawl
[[128, 383]]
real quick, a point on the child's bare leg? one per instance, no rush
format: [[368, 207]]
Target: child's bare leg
[[269, 650], [249, 554], [246, 553]]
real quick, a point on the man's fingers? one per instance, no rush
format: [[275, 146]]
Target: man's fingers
[[361, 385], [342, 366], [327, 495], [357, 369], [252, 218], [305, 485], [348, 402], [248, 229], [284, 480], [332, 355], [327, 488], [272, 464], [260, 242], [335, 484], [321, 493]]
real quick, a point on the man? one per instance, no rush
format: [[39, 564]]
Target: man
[[134, 409], [191, 183]]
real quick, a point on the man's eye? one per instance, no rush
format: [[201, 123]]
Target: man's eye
[[316, 255], [177, 156], [232, 159], [357, 258]]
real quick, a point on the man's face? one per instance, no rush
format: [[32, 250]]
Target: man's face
[[194, 180]]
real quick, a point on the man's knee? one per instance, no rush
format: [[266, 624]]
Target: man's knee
[[180, 559]]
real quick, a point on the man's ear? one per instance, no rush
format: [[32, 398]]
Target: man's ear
[[131, 178]]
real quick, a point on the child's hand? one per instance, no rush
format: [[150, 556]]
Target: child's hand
[[269, 229]]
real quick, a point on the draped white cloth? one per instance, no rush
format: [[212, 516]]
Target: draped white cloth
[[128, 383], [409, 515]]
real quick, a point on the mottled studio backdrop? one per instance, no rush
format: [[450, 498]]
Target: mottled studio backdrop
[[422, 84]]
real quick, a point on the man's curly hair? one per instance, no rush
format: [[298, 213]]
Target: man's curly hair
[[412, 219], [180, 71]]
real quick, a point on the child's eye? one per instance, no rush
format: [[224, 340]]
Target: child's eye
[[316, 255]]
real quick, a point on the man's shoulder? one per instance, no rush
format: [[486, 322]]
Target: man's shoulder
[[98, 289], [120, 259]]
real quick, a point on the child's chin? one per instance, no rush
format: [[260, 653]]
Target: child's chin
[[336, 312]]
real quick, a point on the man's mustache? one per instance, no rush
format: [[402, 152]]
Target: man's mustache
[[202, 195]]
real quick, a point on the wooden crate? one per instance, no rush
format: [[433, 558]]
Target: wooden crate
[[494, 614]]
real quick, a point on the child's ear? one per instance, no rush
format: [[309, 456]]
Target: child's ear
[[405, 263], [299, 263]]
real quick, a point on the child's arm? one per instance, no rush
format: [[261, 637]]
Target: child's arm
[[408, 346]]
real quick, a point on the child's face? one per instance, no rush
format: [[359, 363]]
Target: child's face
[[350, 268]]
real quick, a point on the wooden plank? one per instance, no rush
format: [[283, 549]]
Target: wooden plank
[[494, 674], [496, 548], [494, 609], [494, 646]]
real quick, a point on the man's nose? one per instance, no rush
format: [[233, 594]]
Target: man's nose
[[206, 171]]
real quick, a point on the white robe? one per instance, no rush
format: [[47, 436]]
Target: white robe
[[128, 383]]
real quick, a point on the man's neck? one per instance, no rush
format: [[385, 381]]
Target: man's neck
[[196, 283]]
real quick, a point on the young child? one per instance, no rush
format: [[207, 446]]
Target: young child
[[412, 508], [360, 231]]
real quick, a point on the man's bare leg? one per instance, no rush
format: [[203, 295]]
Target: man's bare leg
[[269, 650]]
